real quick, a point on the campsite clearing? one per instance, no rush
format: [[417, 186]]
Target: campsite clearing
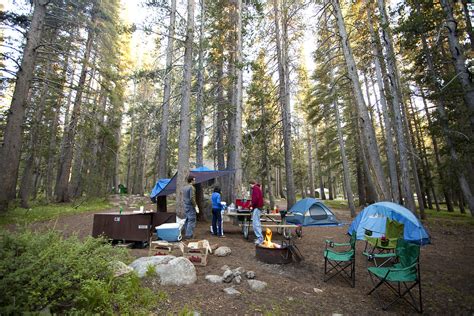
[[298, 288]]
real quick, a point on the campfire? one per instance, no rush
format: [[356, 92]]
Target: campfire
[[273, 253], [267, 242]]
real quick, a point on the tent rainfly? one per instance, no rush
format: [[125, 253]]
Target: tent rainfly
[[311, 212]]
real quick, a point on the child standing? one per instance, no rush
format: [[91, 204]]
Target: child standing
[[216, 213]]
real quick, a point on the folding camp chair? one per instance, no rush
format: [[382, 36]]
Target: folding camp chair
[[340, 261], [406, 275], [385, 244]]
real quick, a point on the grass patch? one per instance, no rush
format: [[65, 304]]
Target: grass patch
[[455, 216], [38, 212], [336, 203]]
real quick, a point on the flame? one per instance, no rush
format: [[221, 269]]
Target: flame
[[267, 242]]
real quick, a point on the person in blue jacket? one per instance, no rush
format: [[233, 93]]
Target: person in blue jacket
[[216, 213]]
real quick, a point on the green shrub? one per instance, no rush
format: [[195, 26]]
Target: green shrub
[[43, 271]]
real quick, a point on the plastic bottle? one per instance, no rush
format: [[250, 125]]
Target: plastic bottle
[[121, 210]]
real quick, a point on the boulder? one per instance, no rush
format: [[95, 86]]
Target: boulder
[[179, 271], [238, 279], [120, 268], [250, 275], [214, 278], [227, 276], [256, 285], [141, 264], [222, 251], [225, 267], [231, 291]]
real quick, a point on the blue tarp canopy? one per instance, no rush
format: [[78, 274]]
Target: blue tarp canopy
[[165, 187], [311, 212], [374, 217]]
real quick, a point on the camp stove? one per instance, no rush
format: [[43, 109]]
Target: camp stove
[[273, 253]]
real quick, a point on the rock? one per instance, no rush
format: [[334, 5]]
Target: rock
[[250, 275], [256, 285], [214, 278], [290, 298], [179, 271], [231, 291], [222, 251], [141, 264], [228, 276], [225, 267], [237, 279], [316, 290], [120, 268], [239, 269]]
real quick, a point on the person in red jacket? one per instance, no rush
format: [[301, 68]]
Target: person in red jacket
[[257, 204]]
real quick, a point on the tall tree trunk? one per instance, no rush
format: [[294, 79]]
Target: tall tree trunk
[[130, 153], [61, 190], [220, 108], [462, 71], [368, 132], [183, 153], [322, 194], [163, 148], [345, 164], [235, 151], [10, 150], [200, 92], [397, 105], [391, 158], [439, 167], [284, 103], [27, 177], [464, 185], [310, 162]]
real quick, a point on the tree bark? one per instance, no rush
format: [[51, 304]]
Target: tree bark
[[163, 147], [183, 153], [391, 158], [200, 92], [235, 151], [284, 103], [368, 132], [322, 194], [459, 61], [62, 190], [310, 162], [397, 105], [10, 150]]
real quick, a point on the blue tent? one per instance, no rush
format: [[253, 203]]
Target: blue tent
[[165, 187], [311, 212], [374, 217]]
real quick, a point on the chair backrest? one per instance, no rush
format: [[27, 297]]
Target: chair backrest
[[353, 240], [394, 229], [407, 253]]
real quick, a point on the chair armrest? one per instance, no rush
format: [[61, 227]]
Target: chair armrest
[[403, 269], [384, 255]]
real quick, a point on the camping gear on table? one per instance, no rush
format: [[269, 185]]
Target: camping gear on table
[[406, 272], [374, 218], [311, 212], [340, 261], [169, 232]]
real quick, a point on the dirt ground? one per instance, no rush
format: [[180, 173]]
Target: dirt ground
[[446, 272]]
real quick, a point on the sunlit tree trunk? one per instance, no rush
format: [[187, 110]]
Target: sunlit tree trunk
[[367, 130], [310, 162], [200, 92], [397, 105], [391, 158]]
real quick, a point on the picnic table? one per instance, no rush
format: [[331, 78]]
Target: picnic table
[[243, 218]]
